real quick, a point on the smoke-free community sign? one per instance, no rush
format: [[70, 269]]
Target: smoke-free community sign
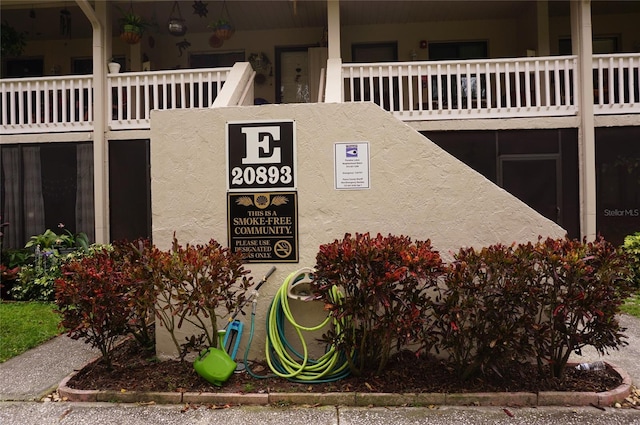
[[264, 226]]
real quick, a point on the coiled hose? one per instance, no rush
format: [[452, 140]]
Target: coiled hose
[[283, 360]]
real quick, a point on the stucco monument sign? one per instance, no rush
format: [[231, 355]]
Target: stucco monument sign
[[278, 181]]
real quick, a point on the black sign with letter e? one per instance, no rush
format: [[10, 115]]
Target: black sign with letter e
[[261, 155], [264, 226]]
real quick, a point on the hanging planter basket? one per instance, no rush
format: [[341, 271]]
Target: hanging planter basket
[[223, 29], [177, 25], [132, 25], [131, 34]]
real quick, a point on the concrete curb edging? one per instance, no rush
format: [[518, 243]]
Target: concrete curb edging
[[543, 398]]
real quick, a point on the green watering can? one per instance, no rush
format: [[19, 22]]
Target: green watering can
[[214, 364]]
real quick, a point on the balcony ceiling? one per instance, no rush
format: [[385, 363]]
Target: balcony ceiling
[[40, 20]]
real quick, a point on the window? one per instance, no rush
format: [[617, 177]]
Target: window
[[81, 66], [601, 45], [43, 185], [375, 52], [458, 50], [215, 60], [24, 67]]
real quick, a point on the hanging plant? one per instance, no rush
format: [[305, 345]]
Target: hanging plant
[[223, 28], [259, 61], [13, 42], [177, 25], [132, 26]]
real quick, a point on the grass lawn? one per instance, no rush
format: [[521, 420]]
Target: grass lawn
[[24, 325], [632, 305]]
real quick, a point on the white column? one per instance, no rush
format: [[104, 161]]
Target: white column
[[101, 49], [333, 86], [333, 28], [581, 34]]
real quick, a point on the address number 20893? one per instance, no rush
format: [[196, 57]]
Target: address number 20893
[[261, 175]]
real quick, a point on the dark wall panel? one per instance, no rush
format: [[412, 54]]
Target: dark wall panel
[[129, 189]]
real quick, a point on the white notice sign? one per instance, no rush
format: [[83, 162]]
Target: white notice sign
[[352, 165]]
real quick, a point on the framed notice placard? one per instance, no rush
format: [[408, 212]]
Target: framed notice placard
[[264, 226], [351, 165]]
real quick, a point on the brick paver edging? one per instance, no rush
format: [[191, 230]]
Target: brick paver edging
[[543, 398]]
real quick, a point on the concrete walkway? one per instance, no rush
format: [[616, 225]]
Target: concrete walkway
[[628, 357], [38, 372], [30, 413], [26, 379]]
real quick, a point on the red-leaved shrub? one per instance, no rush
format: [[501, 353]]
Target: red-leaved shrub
[[93, 299], [386, 284]]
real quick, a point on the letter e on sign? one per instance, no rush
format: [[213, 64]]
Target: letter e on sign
[[262, 145], [261, 155]]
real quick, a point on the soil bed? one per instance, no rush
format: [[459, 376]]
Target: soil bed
[[136, 370]]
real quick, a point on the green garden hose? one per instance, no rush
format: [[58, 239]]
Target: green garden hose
[[283, 360]]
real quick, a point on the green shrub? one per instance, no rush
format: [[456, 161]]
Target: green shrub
[[49, 240], [631, 247], [386, 284], [12, 258], [48, 252], [36, 282], [480, 311]]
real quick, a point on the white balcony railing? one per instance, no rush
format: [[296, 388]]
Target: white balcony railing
[[616, 85], [134, 94], [495, 88], [65, 104], [47, 104], [489, 88]]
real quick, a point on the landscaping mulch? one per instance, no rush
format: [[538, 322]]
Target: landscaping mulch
[[137, 370]]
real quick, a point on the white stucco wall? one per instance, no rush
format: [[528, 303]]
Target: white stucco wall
[[417, 189]]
